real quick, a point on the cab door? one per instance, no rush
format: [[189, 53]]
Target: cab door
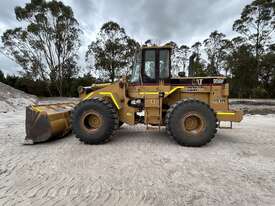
[[156, 66]]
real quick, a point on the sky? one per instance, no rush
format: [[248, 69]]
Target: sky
[[182, 21]]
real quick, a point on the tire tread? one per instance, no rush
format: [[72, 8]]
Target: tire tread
[[171, 111]]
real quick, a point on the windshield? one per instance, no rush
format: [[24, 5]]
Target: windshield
[[136, 69], [150, 66]]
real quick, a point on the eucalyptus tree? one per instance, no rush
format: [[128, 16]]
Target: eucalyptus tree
[[217, 48], [257, 25], [47, 43], [112, 53], [196, 62]]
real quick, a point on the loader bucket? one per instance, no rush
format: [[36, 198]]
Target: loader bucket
[[45, 122]]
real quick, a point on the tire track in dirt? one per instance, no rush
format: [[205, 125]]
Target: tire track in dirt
[[139, 168]]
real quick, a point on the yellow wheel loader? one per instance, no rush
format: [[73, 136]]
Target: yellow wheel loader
[[190, 108]]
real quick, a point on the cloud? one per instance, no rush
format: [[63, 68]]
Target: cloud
[[7, 15], [8, 66], [183, 21], [178, 20], [85, 11]]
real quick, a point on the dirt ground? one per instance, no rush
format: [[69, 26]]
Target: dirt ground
[[254, 106], [139, 168]]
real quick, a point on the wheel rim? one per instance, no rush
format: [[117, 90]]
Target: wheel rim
[[91, 121], [193, 123]]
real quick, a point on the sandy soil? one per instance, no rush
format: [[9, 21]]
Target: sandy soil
[[12, 99], [139, 167]]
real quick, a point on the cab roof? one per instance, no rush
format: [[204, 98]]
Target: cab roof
[[156, 47]]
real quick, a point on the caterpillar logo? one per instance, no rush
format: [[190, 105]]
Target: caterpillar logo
[[197, 81]]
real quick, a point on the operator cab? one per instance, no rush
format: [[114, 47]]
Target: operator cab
[[153, 64]]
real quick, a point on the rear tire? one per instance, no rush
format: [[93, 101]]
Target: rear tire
[[94, 121], [191, 123]]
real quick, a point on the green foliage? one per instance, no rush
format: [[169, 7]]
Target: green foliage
[[46, 48], [39, 87], [267, 73], [252, 58], [244, 78], [2, 76], [257, 24], [196, 62], [113, 52]]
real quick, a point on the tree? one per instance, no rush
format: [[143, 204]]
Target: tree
[[113, 52], [267, 73], [11, 80], [46, 48], [257, 24], [272, 47], [148, 42], [244, 80], [216, 47], [196, 63], [2, 76], [132, 47], [179, 57]]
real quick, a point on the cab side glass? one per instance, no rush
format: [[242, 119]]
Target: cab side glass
[[164, 64], [149, 66], [136, 73]]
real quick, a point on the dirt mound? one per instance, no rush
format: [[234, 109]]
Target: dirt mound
[[12, 99]]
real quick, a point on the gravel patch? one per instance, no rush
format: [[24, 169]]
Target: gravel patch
[[254, 106], [139, 167]]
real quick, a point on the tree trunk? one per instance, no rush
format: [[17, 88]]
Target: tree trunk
[[113, 73], [257, 48], [61, 88], [48, 88]]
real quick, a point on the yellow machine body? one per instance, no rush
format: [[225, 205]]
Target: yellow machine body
[[155, 97], [150, 96]]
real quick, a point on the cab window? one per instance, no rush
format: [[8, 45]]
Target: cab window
[[136, 70], [149, 66], [164, 64], [136, 74]]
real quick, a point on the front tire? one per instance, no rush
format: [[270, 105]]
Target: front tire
[[94, 121], [191, 123]]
